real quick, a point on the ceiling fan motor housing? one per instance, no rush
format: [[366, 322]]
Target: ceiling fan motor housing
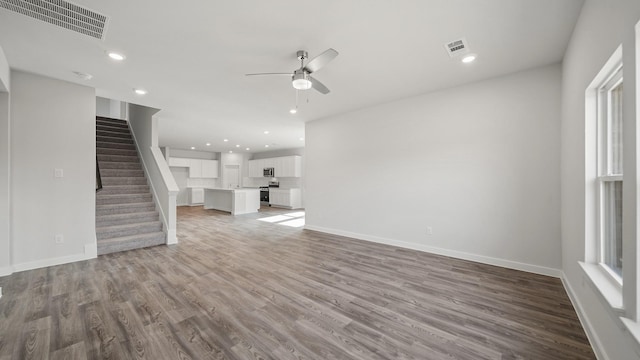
[[300, 80], [302, 55]]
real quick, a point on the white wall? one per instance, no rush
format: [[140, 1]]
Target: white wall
[[5, 222], [601, 28], [52, 126], [478, 164], [111, 108]]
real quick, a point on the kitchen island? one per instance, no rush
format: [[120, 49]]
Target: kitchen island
[[236, 201]]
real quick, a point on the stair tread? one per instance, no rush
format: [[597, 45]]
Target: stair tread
[[127, 238], [108, 217], [127, 226], [145, 193], [115, 206]]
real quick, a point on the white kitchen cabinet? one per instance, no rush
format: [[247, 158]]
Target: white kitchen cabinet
[[196, 196], [179, 162], [255, 168], [289, 166], [195, 168], [210, 169], [286, 198], [198, 168], [284, 166]]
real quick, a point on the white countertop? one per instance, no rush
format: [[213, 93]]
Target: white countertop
[[231, 189]]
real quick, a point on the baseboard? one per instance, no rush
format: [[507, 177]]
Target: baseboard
[[596, 344], [7, 270], [445, 252], [51, 262], [91, 250]]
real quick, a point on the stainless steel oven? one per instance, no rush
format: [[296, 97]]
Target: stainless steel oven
[[264, 195]]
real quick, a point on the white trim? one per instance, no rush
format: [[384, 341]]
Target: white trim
[[172, 237], [536, 269], [596, 344], [91, 250], [7, 270], [170, 233], [50, 262]]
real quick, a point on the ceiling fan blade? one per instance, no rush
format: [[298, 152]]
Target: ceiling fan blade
[[319, 86], [320, 61], [260, 74]]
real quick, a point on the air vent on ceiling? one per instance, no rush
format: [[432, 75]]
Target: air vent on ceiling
[[61, 13], [455, 48]]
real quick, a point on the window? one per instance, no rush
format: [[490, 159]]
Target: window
[[609, 178]]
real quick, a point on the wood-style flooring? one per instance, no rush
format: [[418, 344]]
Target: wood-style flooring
[[239, 288]]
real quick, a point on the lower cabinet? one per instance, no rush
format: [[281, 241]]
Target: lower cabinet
[[196, 196], [286, 198]]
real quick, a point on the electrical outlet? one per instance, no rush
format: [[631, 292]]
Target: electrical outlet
[[58, 173], [59, 239], [429, 230]]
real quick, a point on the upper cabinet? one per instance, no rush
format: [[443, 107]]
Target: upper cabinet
[[209, 168], [198, 169], [285, 166]]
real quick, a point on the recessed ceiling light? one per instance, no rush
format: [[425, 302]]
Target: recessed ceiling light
[[266, 132], [237, 145], [140, 91], [247, 149], [469, 58], [301, 139], [208, 144], [230, 152], [116, 56], [83, 76], [193, 148], [266, 146], [293, 111], [225, 140]]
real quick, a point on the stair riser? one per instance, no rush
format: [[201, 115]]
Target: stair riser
[[111, 120], [121, 125], [108, 181], [109, 139], [114, 134], [118, 158], [119, 165], [124, 152], [125, 199], [128, 231], [132, 219], [121, 173], [130, 245], [124, 209], [113, 128], [109, 145], [119, 190]]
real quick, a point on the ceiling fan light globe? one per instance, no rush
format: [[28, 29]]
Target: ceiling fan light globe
[[302, 84], [300, 80]]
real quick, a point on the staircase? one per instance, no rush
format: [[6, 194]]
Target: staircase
[[126, 216]]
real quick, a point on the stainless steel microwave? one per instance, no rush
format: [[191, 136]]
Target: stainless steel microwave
[[268, 172]]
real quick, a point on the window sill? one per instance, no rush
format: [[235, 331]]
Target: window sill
[[606, 287]]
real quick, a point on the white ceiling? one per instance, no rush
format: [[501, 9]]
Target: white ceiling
[[192, 56]]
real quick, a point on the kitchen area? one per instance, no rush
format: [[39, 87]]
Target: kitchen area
[[237, 183]]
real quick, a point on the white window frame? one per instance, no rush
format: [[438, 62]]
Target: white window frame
[[604, 173]]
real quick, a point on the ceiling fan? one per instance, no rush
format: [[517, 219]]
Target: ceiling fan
[[301, 78]]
